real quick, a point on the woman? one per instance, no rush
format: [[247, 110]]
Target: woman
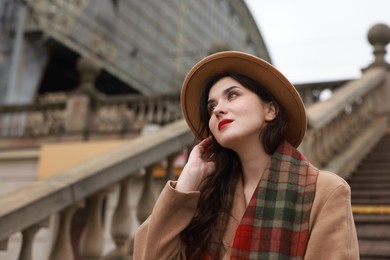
[[246, 192]]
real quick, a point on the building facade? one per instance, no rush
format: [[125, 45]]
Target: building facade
[[143, 47]]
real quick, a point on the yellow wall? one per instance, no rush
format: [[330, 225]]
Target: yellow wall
[[60, 156]]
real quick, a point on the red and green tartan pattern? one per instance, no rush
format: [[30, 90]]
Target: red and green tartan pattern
[[275, 224]]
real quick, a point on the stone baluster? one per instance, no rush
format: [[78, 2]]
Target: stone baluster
[[344, 131], [128, 117], [14, 122], [140, 109], [334, 136], [356, 121], [369, 105], [92, 237], [318, 147], [147, 198], [308, 96], [121, 222], [123, 120], [327, 136], [151, 113], [158, 118], [168, 111], [62, 247], [307, 146], [27, 242], [339, 138], [364, 106], [28, 236], [350, 120]]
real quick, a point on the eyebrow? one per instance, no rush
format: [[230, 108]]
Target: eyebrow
[[224, 92]]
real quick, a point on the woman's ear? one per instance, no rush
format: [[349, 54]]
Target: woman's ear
[[270, 112]]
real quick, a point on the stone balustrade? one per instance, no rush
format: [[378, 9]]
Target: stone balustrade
[[343, 129], [132, 113], [32, 120], [87, 185], [118, 115]]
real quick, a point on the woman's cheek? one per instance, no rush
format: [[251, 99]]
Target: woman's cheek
[[212, 126]]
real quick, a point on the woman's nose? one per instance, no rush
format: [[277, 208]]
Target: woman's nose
[[219, 110]]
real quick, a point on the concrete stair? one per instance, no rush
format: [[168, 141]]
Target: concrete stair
[[370, 186]]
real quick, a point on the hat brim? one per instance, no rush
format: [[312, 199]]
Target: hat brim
[[253, 67]]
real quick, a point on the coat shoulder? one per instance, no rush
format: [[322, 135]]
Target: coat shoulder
[[329, 181]]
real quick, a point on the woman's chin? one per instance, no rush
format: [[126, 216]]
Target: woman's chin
[[227, 141]]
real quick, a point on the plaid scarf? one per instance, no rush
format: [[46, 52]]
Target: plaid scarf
[[275, 224]]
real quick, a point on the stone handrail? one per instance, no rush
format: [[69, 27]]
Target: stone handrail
[[342, 129], [29, 208]]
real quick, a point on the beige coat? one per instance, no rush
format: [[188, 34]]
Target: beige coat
[[332, 229]]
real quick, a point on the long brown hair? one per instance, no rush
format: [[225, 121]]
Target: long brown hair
[[217, 189]]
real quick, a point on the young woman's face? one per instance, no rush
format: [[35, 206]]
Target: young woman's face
[[237, 115]]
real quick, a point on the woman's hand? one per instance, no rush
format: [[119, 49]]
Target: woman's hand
[[197, 168]]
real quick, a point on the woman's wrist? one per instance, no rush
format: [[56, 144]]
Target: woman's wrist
[[190, 178]]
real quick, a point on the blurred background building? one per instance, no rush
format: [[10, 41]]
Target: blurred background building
[[143, 47]]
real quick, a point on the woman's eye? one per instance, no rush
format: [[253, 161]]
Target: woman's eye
[[232, 95], [211, 108]]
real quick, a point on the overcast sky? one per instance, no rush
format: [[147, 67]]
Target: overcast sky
[[315, 41]]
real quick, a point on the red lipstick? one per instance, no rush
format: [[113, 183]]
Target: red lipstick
[[224, 123]]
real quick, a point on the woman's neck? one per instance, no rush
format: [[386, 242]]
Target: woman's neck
[[254, 160]]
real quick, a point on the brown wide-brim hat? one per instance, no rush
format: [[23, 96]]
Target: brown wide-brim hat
[[255, 68]]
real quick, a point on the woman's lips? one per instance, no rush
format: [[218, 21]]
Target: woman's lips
[[224, 123]]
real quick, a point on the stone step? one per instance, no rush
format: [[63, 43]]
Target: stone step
[[370, 178], [370, 189], [367, 201], [377, 219], [371, 194], [374, 249], [382, 171], [356, 186], [377, 156], [373, 165], [373, 231]]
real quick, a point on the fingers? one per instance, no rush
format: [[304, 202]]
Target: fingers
[[202, 150], [205, 143]]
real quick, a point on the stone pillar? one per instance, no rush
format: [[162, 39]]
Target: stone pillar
[[78, 107], [379, 37]]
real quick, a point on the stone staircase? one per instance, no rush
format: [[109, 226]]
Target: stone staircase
[[370, 185]]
